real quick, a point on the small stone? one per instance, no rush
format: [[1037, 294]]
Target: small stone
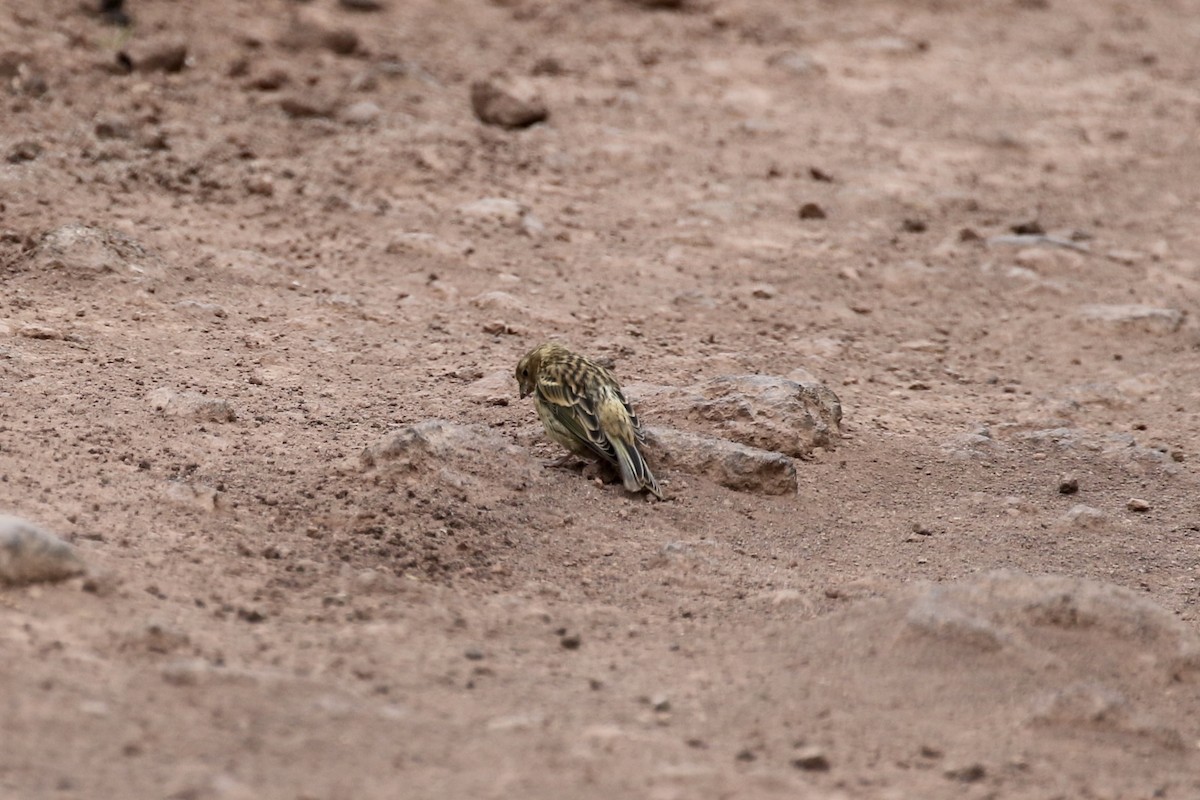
[[307, 107], [271, 79], [361, 5], [1068, 485], [1028, 228], [571, 641], [113, 128], [921, 529], [29, 554], [914, 226], [35, 331], [811, 759], [473, 654], [1149, 318], [660, 703], [508, 104], [363, 112], [192, 405], [657, 3], [161, 57], [26, 150], [1137, 504], [746, 754], [811, 211], [969, 773], [342, 41], [496, 209]]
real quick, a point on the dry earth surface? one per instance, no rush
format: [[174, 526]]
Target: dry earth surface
[[242, 243]]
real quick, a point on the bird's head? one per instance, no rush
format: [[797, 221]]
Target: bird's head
[[527, 367]]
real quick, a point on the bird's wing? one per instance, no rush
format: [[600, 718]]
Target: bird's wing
[[576, 412]]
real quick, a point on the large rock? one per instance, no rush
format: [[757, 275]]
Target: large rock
[[29, 554], [760, 411], [732, 465]]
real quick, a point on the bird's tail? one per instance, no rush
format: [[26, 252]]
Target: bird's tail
[[635, 473]]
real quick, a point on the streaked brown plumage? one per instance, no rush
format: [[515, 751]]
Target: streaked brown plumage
[[581, 406]]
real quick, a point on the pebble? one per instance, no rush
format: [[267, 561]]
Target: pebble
[[495, 209], [811, 759], [25, 150], [29, 554], [364, 112], [361, 5], [1149, 318], [812, 211], [1068, 485], [968, 773], [160, 57], [1137, 504], [508, 104], [192, 405], [307, 107], [571, 641]]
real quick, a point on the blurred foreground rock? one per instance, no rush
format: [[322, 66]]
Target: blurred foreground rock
[[732, 465], [29, 554]]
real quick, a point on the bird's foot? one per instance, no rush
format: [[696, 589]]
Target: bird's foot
[[561, 463]]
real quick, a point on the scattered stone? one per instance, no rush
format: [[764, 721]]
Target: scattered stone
[[811, 759], [571, 641], [342, 41], [1029, 228], [763, 291], [732, 465], [968, 773], [1082, 517], [29, 554], [313, 28], [361, 5], [159, 57], [921, 529], [660, 703], [364, 112], [308, 106], [194, 495], [270, 79], [113, 128], [1137, 504], [473, 654], [35, 331], [1148, 318], [910, 225], [811, 211], [82, 251], [496, 209], [192, 405], [496, 389], [25, 150], [428, 244], [508, 104], [657, 3], [797, 63], [1068, 485]]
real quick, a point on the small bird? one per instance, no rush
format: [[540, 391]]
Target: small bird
[[582, 408]]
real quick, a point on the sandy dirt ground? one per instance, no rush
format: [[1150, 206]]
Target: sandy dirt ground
[[242, 243]]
